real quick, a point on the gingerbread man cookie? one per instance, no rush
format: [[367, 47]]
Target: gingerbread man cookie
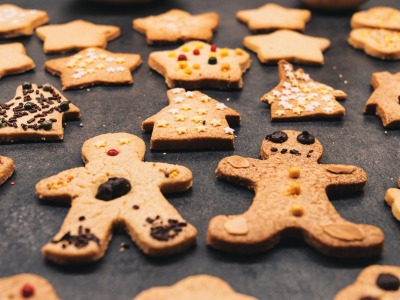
[[379, 43], [75, 36], [94, 66], [26, 286], [298, 97], [197, 64], [13, 59], [177, 26], [6, 168], [374, 283], [35, 113], [384, 101], [16, 21], [272, 16], [117, 189], [377, 17], [198, 287], [192, 120], [289, 45], [291, 201]]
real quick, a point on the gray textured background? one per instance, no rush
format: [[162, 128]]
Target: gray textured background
[[292, 270]]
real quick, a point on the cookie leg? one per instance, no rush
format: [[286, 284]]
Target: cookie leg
[[85, 233]]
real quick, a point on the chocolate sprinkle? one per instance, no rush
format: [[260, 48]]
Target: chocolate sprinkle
[[82, 218], [283, 151], [277, 137], [295, 152], [274, 149], [81, 240], [164, 233], [136, 207]]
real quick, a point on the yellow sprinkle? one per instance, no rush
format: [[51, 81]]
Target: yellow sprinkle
[[239, 52], [90, 71], [199, 46], [123, 141], [294, 172], [70, 64], [82, 65], [65, 184], [212, 55], [202, 111], [103, 56], [172, 54], [54, 186], [188, 71], [186, 49], [78, 57], [225, 67], [205, 99], [89, 61], [69, 175], [100, 66], [120, 60], [186, 107], [297, 210], [224, 52], [182, 65], [196, 66]]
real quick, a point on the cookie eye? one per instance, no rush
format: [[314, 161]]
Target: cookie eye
[[113, 188], [277, 137], [388, 282], [306, 138]]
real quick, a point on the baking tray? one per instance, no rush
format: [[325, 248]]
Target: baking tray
[[291, 270]]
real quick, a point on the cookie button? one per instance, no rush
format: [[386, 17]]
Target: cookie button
[[238, 162], [388, 282], [26, 85], [64, 106], [277, 137], [29, 105], [27, 291], [237, 226], [112, 152], [306, 138], [294, 172], [47, 125], [293, 190], [297, 210]]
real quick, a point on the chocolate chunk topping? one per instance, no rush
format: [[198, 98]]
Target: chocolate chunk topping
[[164, 233], [274, 149], [388, 282], [277, 137], [81, 240], [306, 138], [136, 207], [283, 151], [113, 188]]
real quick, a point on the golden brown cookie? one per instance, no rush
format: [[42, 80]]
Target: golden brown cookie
[[75, 36], [16, 21], [198, 287], [374, 283], [384, 101], [177, 26], [272, 16], [13, 59], [377, 17], [197, 64], [289, 45], [6, 168], [291, 201], [380, 43], [35, 113], [298, 97], [26, 286], [333, 5], [117, 189], [94, 66], [192, 120]]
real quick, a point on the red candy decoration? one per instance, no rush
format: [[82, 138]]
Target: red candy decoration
[[213, 48], [196, 52], [182, 57], [12, 182], [27, 291], [112, 152]]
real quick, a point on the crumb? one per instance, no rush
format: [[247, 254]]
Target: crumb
[[122, 249], [140, 117], [345, 82], [227, 99], [81, 125], [164, 153], [385, 132], [340, 75], [104, 125], [88, 90], [334, 67]]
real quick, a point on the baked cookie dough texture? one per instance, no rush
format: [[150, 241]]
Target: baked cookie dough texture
[[6, 168], [13, 59]]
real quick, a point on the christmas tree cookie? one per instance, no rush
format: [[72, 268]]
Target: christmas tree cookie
[[35, 113], [192, 120], [197, 64], [94, 66], [298, 97]]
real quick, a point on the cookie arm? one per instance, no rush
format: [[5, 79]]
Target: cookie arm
[[56, 66], [59, 188], [344, 179], [247, 177]]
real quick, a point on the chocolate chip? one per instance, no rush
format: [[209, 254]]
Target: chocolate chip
[[306, 138], [277, 137], [113, 188], [274, 149], [82, 218], [369, 298], [136, 207], [283, 151], [388, 282]]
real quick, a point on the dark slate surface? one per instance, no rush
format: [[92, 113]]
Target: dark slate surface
[[292, 270]]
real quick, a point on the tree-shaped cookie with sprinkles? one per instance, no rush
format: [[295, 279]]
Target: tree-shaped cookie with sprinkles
[[16, 21], [298, 97], [35, 113], [192, 120], [94, 66], [197, 64], [26, 286], [117, 189], [6, 168]]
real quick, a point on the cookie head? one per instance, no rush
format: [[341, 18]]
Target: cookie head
[[113, 146], [291, 145]]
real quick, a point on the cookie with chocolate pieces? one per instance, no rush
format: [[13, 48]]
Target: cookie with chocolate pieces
[[117, 189], [291, 200]]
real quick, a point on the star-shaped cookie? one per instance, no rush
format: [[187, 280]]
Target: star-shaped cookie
[[16, 21], [201, 123], [289, 45], [35, 113], [197, 64], [377, 17], [384, 101], [75, 36], [272, 16], [380, 43], [13, 59], [177, 26], [298, 97], [94, 66], [6, 168], [198, 287]]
